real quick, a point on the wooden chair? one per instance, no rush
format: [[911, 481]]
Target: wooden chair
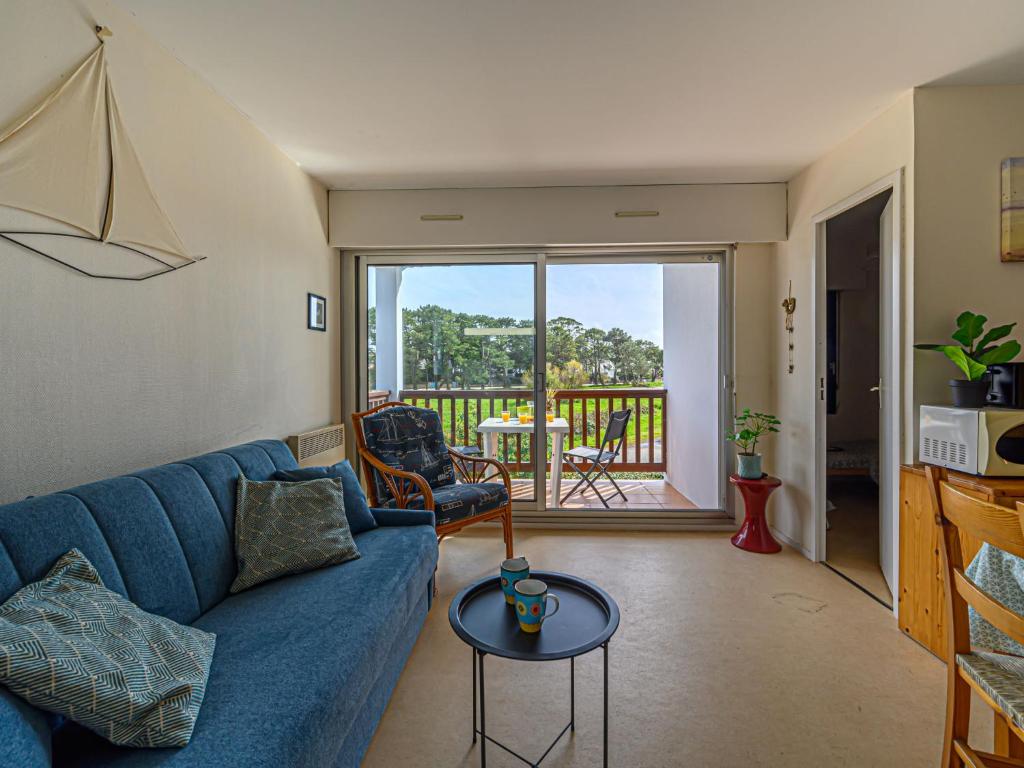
[[997, 678], [407, 465]]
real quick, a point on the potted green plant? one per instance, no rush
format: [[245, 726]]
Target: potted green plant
[[974, 352], [748, 428]]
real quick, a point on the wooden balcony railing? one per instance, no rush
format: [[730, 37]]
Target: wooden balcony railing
[[377, 397], [586, 410]]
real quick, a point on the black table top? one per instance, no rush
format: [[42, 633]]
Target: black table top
[[586, 618]]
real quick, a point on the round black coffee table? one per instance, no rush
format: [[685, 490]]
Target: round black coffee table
[[586, 619]]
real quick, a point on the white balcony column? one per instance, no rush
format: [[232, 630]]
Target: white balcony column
[[389, 329], [690, 295]]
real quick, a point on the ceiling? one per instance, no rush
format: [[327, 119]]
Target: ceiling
[[461, 93]]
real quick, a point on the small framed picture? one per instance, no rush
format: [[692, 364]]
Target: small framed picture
[[316, 311]]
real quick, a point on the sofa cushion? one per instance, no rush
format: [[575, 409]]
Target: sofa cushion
[[285, 528], [409, 439], [296, 661], [26, 733], [200, 532], [258, 461], [356, 509], [71, 646], [456, 502]]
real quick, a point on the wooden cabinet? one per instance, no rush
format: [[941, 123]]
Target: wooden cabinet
[[922, 594]]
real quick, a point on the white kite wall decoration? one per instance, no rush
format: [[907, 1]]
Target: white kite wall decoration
[[71, 161]]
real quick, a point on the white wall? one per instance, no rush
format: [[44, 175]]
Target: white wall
[[691, 343], [756, 313], [962, 135], [698, 213], [883, 146], [103, 377]]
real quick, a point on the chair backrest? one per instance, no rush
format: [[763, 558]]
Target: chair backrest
[[404, 437], [998, 526], [616, 430]]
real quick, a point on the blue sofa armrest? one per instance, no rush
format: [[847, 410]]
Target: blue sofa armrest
[[392, 517]]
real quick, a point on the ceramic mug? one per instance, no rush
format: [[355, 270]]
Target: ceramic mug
[[512, 571], [532, 604]]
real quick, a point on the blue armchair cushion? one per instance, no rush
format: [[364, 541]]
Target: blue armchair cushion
[[356, 509], [409, 439], [70, 645], [285, 528], [456, 502]]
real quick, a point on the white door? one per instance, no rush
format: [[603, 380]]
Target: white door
[[888, 431]]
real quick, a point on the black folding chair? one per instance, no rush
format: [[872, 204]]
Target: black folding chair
[[592, 463]]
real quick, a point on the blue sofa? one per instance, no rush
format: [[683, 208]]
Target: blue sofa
[[304, 665]]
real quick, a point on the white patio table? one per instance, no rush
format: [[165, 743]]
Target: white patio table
[[558, 429]]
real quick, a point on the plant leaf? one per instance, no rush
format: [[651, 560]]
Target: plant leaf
[[969, 328], [994, 334], [1004, 353], [964, 363], [971, 368]]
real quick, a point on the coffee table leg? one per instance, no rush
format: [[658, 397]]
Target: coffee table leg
[[472, 653], [606, 705], [572, 693], [483, 716]]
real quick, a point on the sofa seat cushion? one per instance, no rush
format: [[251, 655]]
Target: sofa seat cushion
[[296, 659], [457, 502]]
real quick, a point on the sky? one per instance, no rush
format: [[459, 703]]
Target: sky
[[598, 295]]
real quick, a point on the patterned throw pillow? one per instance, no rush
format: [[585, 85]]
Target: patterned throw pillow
[[357, 511], [70, 645], [285, 528]]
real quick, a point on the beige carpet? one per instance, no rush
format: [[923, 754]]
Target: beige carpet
[[723, 658]]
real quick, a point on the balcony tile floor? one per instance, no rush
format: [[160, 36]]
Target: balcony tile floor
[[640, 494]]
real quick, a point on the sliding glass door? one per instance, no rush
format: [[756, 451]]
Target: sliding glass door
[[641, 337], [458, 335], [643, 333]]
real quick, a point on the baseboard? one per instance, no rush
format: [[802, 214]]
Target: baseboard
[[791, 542], [613, 523]]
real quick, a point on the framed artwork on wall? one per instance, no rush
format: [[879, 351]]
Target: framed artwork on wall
[[1011, 246], [316, 312]]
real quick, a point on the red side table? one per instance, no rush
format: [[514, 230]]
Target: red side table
[[754, 535]]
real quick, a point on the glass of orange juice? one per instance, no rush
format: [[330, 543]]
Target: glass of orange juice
[[549, 416], [505, 415]]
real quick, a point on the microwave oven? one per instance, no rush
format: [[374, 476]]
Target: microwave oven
[[978, 441]]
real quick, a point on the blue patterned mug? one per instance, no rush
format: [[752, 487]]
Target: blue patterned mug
[[532, 604], [512, 571]]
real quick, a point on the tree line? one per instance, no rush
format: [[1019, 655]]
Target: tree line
[[437, 352]]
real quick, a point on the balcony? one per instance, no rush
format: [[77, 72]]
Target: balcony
[[640, 469]]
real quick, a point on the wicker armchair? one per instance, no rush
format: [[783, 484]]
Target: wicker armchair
[[407, 465]]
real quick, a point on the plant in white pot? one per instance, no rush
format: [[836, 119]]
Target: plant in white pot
[[974, 353], [748, 428]]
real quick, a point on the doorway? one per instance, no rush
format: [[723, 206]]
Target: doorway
[[857, 262], [853, 421]]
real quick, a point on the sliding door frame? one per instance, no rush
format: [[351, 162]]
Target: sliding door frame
[[465, 258], [536, 513], [724, 515]]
